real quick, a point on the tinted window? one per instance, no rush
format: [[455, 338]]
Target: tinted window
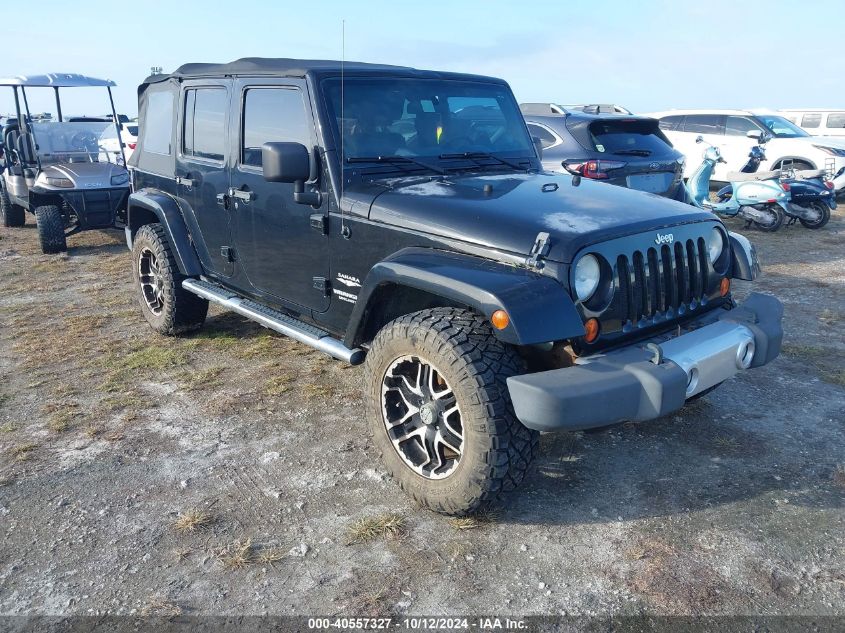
[[836, 120], [158, 123], [670, 122], [132, 129], [205, 123], [632, 138], [739, 126], [547, 139], [272, 114], [811, 120], [780, 127], [703, 124]]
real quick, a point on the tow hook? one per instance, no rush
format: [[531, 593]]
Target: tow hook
[[655, 349], [539, 251]]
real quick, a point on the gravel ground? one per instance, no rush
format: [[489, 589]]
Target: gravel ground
[[230, 472]]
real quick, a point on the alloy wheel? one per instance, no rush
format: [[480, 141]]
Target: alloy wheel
[[152, 283]]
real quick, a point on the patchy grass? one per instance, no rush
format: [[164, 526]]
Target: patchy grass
[[4, 398], [386, 526], [237, 555], [473, 521], [208, 378], [827, 362], [153, 358], [193, 520], [8, 428], [270, 556], [278, 385], [161, 607], [315, 390], [23, 452], [726, 443]]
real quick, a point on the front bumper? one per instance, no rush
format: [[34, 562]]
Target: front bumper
[[654, 377]]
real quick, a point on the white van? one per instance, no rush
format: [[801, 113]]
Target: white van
[[817, 121]]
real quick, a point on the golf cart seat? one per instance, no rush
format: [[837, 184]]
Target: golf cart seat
[[739, 176], [806, 174]]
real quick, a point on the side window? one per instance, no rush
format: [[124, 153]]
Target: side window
[[739, 126], [670, 123], [704, 124], [836, 120], [158, 123], [272, 115], [811, 120], [547, 139], [204, 129]]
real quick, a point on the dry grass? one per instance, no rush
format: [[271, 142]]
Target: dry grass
[[237, 555], [726, 442], [8, 428], [23, 452], [208, 378], [386, 526], [278, 385], [161, 607], [473, 521], [270, 556], [192, 520]]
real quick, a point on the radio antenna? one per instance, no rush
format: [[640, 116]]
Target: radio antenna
[[344, 230]]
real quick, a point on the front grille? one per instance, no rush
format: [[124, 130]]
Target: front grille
[[661, 283]]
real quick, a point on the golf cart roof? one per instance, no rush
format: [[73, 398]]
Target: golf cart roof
[[55, 80]]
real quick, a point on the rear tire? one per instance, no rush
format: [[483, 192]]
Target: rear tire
[[167, 307], [11, 215], [457, 399], [51, 229], [779, 217], [824, 216]]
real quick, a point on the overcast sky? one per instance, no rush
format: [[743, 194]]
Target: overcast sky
[[644, 55]]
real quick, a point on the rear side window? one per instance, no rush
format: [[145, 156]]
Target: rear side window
[[204, 131], [739, 126], [703, 124], [836, 120], [671, 123], [272, 115], [547, 139], [158, 121], [811, 120], [633, 138]]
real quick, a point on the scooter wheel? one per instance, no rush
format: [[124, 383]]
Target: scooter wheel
[[824, 216], [778, 217]]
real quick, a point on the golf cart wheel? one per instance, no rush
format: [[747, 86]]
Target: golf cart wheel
[[51, 229], [778, 217], [824, 216], [440, 413], [168, 308], [11, 215]]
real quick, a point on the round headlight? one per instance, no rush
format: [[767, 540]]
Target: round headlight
[[587, 277], [715, 245]]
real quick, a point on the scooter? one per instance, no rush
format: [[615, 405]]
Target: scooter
[[811, 194], [758, 198]]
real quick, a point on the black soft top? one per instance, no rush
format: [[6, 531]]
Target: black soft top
[[284, 67]]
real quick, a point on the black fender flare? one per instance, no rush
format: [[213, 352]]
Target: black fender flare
[[147, 206], [744, 262], [539, 307]]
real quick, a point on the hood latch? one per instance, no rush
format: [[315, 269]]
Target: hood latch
[[541, 248]]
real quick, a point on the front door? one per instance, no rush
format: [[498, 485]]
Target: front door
[[280, 245], [202, 171]]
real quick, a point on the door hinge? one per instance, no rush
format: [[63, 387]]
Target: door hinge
[[540, 249], [322, 284], [320, 222], [227, 253]]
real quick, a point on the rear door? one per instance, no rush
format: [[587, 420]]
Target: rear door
[[280, 244], [202, 170]]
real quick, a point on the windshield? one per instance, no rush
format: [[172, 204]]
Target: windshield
[[403, 119], [65, 142], [780, 127]]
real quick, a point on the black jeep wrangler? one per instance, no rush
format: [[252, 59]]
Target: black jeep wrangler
[[401, 218]]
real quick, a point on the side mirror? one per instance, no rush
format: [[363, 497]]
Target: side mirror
[[285, 162], [699, 139], [538, 145], [755, 134]]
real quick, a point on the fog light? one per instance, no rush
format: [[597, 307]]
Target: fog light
[[591, 329], [725, 287], [500, 319]]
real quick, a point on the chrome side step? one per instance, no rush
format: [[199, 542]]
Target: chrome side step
[[275, 320]]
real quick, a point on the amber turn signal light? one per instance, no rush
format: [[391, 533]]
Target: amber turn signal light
[[725, 286], [500, 319], [591, 329]]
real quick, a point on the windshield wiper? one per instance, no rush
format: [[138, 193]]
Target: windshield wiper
[[477, 155], [634, 152], [395, 159]]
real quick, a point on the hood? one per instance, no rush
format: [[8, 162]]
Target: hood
[[828, 141], [506, 212], [86, 175]]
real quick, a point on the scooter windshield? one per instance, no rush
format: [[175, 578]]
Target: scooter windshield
[[73, 142]]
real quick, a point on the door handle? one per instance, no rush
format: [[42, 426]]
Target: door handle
[[239, 194], [184, 180]]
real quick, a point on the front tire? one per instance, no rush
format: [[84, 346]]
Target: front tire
[[51, 229], [778, 217], [11, 215], [168, 308], [440, 412], [824, 216]]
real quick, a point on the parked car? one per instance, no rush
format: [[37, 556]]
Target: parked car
[[728, 130], [621, 150], [555, 108], [128, 135], [817, 121], [401, 217]]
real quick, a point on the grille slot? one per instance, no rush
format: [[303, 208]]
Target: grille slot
[[661, 283]]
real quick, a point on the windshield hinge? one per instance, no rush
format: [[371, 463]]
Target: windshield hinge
[[541, 248]]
